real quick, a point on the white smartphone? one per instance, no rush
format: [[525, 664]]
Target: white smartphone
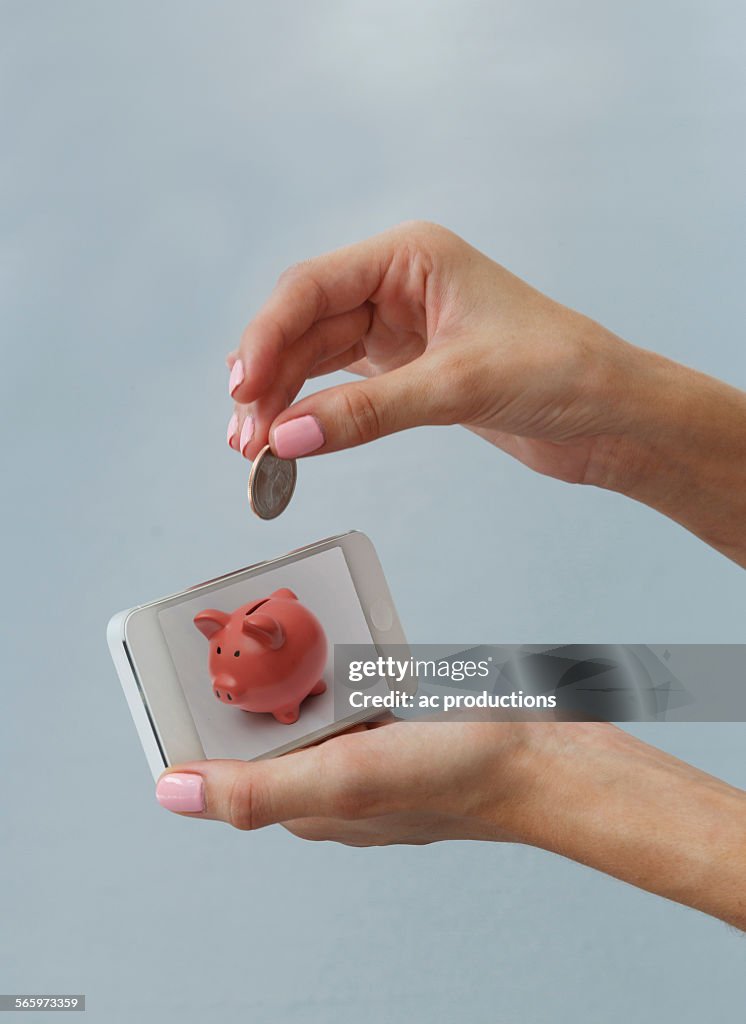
[[162, 658]]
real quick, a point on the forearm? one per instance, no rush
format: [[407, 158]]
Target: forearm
[[685, 450], [607, 800]]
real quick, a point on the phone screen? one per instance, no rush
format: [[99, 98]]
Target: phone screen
[[322, 582]]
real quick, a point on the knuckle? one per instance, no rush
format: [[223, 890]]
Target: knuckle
[[241, 805], [420, 227], [427, 233], [301, 276], [362, 417], [423, 245], [290, 273], [270, 328]]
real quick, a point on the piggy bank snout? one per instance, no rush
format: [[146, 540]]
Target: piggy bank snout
[[226, 688]]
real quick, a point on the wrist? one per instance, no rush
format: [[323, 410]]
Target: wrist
[[681, 447], [605, 799]]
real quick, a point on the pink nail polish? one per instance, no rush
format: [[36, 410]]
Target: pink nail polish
[[247, 432], [232, 429], [181, 791], [297, 437], [236, 377]]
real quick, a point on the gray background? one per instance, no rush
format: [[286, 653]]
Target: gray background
[[161, 164]]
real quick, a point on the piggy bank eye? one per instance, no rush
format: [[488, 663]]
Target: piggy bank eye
[[218, 650], [236, 654]]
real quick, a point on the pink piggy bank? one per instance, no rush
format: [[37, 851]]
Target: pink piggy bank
[[266, 656]]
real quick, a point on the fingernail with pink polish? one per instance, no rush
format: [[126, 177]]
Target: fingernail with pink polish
[[247, 432], [297, 437], [236, 377], [232, 429], [181, 791]]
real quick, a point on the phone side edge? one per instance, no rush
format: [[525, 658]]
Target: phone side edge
[[115, 638]]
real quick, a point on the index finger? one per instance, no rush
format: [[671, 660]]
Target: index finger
[[325, 286]]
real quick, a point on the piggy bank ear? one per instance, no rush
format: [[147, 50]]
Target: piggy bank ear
[[283, 592], [265, 629], [210, 621]]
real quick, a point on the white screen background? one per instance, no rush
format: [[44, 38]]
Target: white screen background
[[323, 583]]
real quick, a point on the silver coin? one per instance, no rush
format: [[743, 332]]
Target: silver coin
[[271, 484]]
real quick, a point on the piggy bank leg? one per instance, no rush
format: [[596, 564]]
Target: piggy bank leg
[[290, 714], [287, 716]]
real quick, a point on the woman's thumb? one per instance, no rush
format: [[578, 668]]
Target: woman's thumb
[[247, 795], [356, 413]]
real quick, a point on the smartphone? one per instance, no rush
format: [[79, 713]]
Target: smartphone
[[162, 657]]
